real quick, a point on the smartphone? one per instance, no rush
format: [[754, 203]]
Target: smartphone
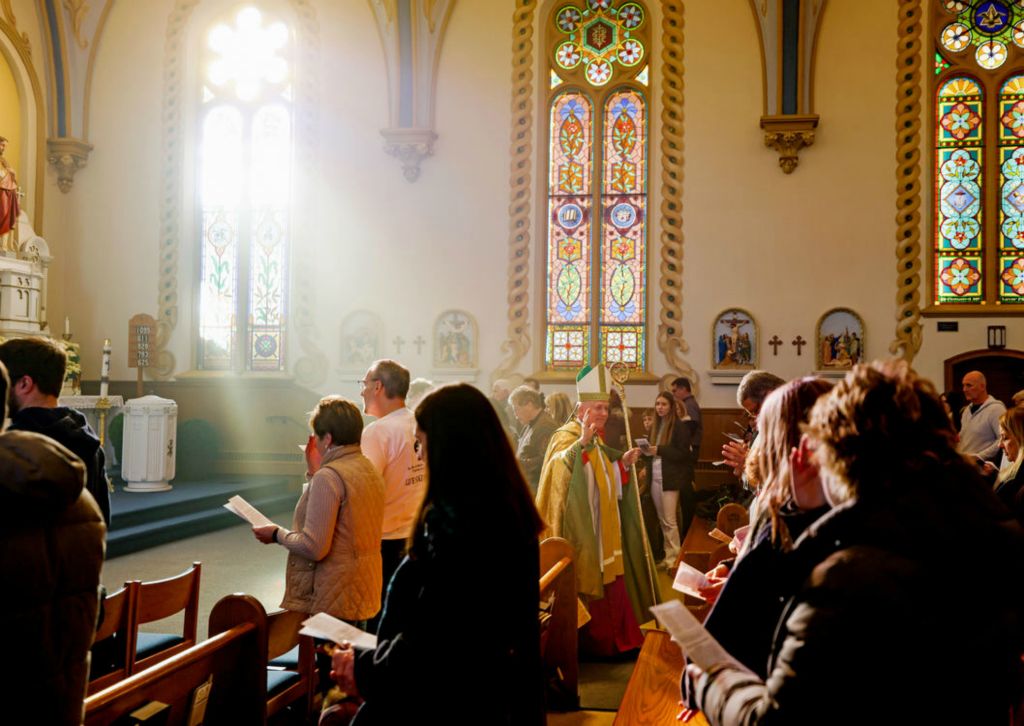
[[642, 443]]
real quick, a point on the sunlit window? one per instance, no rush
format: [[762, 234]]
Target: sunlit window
[[244, 193]]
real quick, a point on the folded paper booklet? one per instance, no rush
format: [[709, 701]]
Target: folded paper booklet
[[696, 642], [721, 536], [238, 506], [689, 580], [330, 628]]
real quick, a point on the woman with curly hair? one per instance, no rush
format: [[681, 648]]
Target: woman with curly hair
[[883, 619]]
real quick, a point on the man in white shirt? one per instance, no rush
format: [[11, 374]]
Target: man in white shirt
[[388, 443], [979, 422]]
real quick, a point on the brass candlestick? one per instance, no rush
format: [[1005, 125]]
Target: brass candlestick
[[620, 374]]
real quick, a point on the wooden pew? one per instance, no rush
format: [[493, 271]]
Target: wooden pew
[[652, 694], [233, 659], [559, 636], [286, 685], [161, 599], [113, 649]]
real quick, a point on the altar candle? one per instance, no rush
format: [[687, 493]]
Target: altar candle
[[105, 369], [67, 326]]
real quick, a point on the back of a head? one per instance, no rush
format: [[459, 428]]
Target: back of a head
[[880, 425], [339, 417], [559, 405], [471, 469], [393, 377], [42, 359], [780, 426], [756, 385]]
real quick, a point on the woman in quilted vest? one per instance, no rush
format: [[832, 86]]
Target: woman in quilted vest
[[459, 637], [334, 563]]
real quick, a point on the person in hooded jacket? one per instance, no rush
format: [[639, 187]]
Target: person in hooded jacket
[[51, 554], [36, 368]]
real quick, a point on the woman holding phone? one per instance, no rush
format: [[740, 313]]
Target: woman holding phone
[[670, 464]]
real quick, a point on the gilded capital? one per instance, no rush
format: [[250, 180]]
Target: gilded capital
[[410, 147], [788, 135], [67, 156]]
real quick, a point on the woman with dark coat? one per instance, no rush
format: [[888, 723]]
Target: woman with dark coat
[[459, 639], [670, 473], [744, 616], [888, 620]]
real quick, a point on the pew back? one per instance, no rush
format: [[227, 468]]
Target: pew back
[[233, 661]]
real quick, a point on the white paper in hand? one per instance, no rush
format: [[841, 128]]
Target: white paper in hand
[[696, 642], [238, 506], [330, 628], [689, 580]]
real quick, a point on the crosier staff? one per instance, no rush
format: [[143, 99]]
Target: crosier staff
[[620, 374]]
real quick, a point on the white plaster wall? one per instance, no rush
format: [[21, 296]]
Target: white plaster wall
[[105, 231], [787, 248]]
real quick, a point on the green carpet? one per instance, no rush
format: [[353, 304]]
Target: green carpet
[[603, 683]]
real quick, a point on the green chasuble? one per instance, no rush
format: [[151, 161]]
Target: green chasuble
[[563, 500]]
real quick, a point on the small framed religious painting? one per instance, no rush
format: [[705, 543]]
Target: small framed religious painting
[[361, 332], [839, 340], [734, 341], [455, 340]]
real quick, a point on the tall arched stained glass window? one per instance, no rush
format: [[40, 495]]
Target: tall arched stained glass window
[[978, 255], [244, 193], [596, 302]]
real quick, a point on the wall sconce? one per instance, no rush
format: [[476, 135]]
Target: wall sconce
[[997, 337]]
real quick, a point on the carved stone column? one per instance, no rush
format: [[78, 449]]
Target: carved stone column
[[409, 146], [67, 156]]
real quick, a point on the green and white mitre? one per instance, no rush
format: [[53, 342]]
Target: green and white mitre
[[593, 383]]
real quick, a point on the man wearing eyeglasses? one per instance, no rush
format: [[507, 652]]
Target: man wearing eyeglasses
[[388, 443]]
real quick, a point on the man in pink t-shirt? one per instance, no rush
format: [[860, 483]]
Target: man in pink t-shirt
[[388, 444]]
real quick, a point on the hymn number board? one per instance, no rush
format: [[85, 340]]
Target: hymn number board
[[141, 334]]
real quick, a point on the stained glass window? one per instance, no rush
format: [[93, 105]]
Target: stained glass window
[[244, 167], [597, 185], [978, 253]]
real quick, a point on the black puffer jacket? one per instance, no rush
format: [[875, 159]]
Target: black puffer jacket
[[69, 428], [51, 553], [911, 612]]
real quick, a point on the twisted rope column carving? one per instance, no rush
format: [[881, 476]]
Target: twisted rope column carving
[[517, 342], [171, 188], [670, 327], [908, 182]]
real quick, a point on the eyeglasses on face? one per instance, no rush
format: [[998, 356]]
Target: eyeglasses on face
[[363, 384]]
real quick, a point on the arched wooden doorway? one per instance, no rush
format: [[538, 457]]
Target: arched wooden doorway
[[1003, 369]]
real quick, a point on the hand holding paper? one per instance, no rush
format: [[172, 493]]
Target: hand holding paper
[[689, 580], [330, 628], [238, 506], [696, 642]]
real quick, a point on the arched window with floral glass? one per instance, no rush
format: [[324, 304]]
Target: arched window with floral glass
[[244, 192], [978, 93], [597, 222]]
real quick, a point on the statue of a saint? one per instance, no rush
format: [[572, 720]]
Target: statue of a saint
[[9, 207]]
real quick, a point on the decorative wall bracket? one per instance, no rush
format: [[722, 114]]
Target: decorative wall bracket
[[67, 156], [411, 32], [409, 146], [787, 135], [789, 33]]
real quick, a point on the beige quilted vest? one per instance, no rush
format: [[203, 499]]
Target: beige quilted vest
[[347, 582]]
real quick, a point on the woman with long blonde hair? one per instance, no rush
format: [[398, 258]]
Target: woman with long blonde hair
[[788, 499], [1010, 484]]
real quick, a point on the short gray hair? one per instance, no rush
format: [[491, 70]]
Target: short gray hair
[[525, 394], [393, 376], [756, 386]]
